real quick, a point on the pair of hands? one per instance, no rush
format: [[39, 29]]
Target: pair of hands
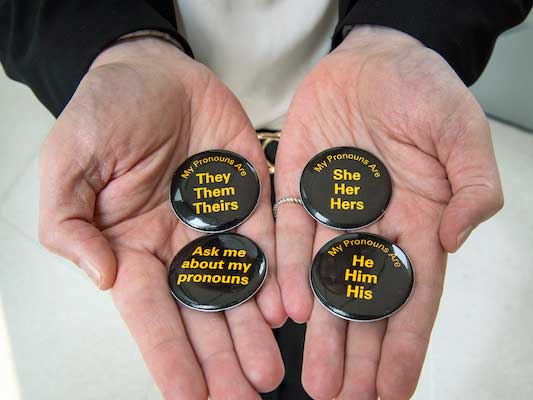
[[144, 107]]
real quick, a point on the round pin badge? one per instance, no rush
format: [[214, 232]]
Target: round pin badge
[[217, 272], [362, 277], [345, 188], [214, 191]]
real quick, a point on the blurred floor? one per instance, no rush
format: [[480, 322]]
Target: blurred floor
[[62, 339]]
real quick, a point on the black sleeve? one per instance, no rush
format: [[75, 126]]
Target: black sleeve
[[462, 31], [49, 44]]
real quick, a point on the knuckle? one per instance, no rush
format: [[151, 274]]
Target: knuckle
[[494, 198], [45, 237], [499, 200], [51, 238]]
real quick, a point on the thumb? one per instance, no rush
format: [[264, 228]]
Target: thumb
[[69, 185], [475, 181], [82, 243]]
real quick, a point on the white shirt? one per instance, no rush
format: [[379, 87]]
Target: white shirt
[[261, 49]]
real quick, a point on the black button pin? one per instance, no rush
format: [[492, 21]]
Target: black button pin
[[214, 191], [362, 277], [345, 188], [217, 272]]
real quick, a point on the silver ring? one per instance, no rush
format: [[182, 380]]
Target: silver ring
[[284, 200]]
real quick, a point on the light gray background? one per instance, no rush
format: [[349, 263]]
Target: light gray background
[[62, 339], [506, 88]]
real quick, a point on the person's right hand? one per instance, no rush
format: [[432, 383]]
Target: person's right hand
[[106, 166]]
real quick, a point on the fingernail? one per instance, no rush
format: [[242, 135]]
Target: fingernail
[[92, 272], [463, 236]]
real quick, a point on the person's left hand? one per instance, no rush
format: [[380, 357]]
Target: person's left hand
[[383, 91]]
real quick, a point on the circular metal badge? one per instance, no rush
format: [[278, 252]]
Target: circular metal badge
[[345, 188], [362, 277], [217, 272], [214, 191]]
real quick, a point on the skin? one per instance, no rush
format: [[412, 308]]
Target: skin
[[383, 91], [106, 207], [106, 167]]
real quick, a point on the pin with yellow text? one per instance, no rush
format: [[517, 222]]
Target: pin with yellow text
[[345, 188], [214, 191], [217, 272], [362, 277]]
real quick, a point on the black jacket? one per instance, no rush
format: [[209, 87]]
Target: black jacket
[[49, 44]]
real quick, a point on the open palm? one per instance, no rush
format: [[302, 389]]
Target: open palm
[[106, 169], [384, 92]]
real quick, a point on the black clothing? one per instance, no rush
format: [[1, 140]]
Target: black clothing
[[461, 31], [290, 338], [49, 44]]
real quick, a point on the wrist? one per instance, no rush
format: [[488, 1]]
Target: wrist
[[371, 39], [150, 33], [139, 49]]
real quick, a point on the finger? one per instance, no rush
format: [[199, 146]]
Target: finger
[[255, 346], [269, 297], [363, 347], [213, 346], [260, 228], [363, 342], [475, 180], [408, 331], [323, 362], [67, 200], [294, 244], [295, 229], [141, 295]]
